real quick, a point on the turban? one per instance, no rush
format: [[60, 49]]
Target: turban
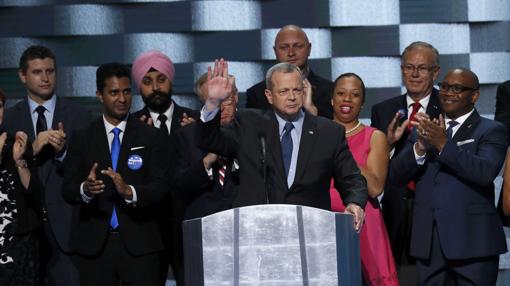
[[152, 59]]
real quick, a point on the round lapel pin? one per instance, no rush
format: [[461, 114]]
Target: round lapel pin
[[135, 162]]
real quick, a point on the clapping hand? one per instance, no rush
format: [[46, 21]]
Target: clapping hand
[[395, 131], [92, 186], [308, 98], [122, 188], [20, 145]]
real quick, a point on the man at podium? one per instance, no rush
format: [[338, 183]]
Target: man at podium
[[286, 155]]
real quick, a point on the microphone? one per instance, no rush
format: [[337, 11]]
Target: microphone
[[262, 139]]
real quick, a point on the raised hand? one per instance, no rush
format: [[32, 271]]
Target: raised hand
[[122, 188], [20, 145], [92, 186], [395, 131], [359, 215], [219, 84]]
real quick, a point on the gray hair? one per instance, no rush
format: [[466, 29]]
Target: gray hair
[[280, 67], [419, 44], [198, 85]]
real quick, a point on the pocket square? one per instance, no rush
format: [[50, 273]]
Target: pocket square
[[136, 148], [460, 143]]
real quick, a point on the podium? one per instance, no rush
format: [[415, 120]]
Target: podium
[[272, 245]]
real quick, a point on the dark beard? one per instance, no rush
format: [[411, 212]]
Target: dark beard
[[158, 101]]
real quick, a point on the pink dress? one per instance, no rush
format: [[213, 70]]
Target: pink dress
[[377, 262]]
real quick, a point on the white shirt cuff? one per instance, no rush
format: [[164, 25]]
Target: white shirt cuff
[[134, 199], [84, 197], [420, 160], [207, 116]]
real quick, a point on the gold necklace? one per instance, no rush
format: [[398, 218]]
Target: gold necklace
[[354, 128]]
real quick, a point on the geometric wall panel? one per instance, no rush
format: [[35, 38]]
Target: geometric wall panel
[[179, 47], [490, 67], [364, 13], [225, 15], [447, 38], [488, 10], [88, 20], [387, 75]]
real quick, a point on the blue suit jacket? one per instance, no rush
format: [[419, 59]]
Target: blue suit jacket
[[455, 189], [50, 171]]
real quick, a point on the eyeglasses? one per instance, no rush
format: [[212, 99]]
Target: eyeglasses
[[296, 92], [422, 69], [455, 88]]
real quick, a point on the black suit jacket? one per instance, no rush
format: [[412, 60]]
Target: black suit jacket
[[176, 212], [323, 154], [50, 171], [205, 196], [503, 105], [322, 89], [138, 228]]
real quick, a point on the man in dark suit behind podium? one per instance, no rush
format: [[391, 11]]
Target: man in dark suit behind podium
[[48, 120], [291, 45], [420, 68], [116, 173], [457, 234], [286, 155]]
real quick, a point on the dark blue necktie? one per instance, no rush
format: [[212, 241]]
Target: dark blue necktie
[[115, 150], [449, 130], [287, 146]]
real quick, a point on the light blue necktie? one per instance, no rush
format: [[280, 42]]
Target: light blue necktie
[[114, 223], [287, 146]]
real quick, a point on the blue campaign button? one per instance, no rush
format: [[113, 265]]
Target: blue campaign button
[[135, 162]]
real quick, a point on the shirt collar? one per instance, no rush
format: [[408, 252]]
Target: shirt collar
[[424, 101], [297, 122], [48, 104], [459, 119], [168, 112], [109, 127]]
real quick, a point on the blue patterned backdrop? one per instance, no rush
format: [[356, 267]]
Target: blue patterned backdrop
[[363, 36]]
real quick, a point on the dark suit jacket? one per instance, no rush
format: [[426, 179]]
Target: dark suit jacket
[[176, 212], [322, 89], [50, 171], [455, 190], [383, 112], [503, 105], [323, 154], [205, 196], [397, 201], [137, 223]]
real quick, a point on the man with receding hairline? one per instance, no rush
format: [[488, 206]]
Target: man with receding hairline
[[419, 68], [292, 46], [456, 234]]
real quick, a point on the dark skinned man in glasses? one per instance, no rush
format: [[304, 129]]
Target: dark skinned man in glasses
[[420, 68], [457, 235]]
